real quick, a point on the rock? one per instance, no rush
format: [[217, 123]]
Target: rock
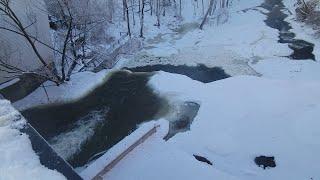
[[265, 162], [202, 159], [183, 123]]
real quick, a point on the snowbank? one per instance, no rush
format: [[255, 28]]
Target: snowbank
[[284, 68], [80, 85], [243, 117], [154, 159], [18, 160], [98, 165]]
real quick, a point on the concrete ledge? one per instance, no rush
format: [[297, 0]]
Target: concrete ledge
[[48, 157]]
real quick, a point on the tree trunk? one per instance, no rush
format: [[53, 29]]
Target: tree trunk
[[207, 13], [142, 19], [127, 16]]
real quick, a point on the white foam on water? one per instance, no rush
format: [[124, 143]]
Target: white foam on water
[[68, 143]]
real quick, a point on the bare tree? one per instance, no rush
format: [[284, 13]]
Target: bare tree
[[67, 53], [158, 12], [217, 8], [207, 13], [18, 27], [126, 11]]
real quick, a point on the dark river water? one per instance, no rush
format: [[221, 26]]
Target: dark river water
[[112, 111], [276, 18], [200, 72], [124, 101]]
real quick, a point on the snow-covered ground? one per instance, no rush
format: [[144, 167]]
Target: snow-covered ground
[[162, 128], [244, 45], [240, 118], [231, 45], [18, 160], [243, 117], [156, 159]]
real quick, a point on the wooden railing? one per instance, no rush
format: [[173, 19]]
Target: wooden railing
[[113, 163]]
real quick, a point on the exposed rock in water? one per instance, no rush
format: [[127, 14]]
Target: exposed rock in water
[[183, 123], [182, 119], [265, 162], [202, 159]]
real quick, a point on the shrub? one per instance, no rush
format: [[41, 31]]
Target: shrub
[[309, 12]]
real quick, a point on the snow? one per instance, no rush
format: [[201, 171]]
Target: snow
[[302, 30], [80, 85], [18, 160], [231, 45], [244, 117], [116, 150], [240, 118], [153, 159], [284, 68], [157, 160]]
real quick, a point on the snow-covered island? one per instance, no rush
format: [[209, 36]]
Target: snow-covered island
[[212, 89]]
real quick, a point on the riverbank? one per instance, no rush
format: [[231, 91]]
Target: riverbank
[[245, 98], [247, 127]]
